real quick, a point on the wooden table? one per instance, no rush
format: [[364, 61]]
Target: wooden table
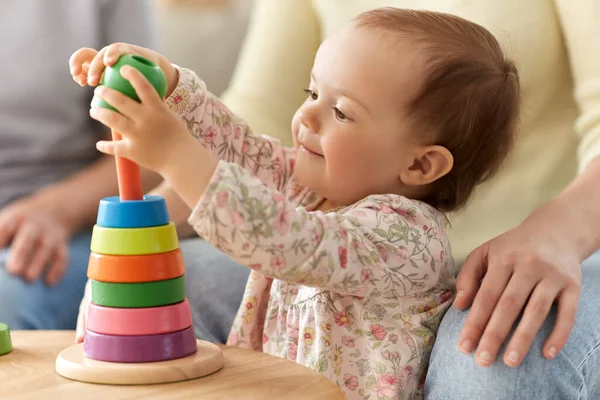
[[28, 373]]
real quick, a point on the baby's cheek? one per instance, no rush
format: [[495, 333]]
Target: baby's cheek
[[295, 128], [344, 157]]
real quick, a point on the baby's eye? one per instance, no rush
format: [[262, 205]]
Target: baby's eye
[[311, 94], [340, 115]]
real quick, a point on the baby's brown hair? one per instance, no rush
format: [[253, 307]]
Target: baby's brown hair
[[469, 100]]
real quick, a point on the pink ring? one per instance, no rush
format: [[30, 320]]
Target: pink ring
[[139, 321]]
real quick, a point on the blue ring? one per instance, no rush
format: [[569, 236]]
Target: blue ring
[[149, 212]]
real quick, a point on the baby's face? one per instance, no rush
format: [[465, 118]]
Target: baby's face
[[352, 133]]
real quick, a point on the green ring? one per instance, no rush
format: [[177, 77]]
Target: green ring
[[134, 241], [138, 295], [5, 341]]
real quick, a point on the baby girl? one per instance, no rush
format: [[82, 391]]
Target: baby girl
[[406, 113]]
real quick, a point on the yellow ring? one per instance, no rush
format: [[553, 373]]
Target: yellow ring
[[134, 241]]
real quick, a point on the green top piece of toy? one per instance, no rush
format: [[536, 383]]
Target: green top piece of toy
[[112, 78], [5, 342]]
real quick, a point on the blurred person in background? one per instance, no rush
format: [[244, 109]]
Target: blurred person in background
[[51, 175]]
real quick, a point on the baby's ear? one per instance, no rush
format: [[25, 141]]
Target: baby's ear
[[430, 164]]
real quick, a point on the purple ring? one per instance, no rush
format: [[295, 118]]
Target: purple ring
[[139, 349]]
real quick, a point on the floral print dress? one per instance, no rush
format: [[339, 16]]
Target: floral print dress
[[356, 294]]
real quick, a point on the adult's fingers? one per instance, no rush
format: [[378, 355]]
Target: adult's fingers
[[42, 251], [21, 248], [509, 306], [492, 287], [8, 227], [57, 268], [469, 277], [565, 319], [535, 313]]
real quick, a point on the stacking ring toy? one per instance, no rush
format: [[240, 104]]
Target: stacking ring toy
[[128, 269], [138, 295], [112, 78], [139, 321], [134, 241], [139, 349], [5, 340], [114, 213]]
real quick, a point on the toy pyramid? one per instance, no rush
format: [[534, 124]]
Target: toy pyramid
[[139, 325], [138, 311]]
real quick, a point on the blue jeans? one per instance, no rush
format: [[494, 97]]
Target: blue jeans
[[34, 305], [574, 374], [214, 285]]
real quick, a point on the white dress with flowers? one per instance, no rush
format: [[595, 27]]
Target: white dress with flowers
[[356, 294]]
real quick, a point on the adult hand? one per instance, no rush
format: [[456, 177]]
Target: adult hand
[[38, 240], [523, 270]]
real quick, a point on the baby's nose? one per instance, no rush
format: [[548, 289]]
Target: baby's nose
[[309, 117]]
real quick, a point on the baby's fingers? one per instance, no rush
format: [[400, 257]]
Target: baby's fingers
[[82, 316], [97, 66], [117, 148], [106, 57], [79, 64], [112, 119], [82, 56], [116, 50]]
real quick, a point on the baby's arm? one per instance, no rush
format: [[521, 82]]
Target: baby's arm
[[227, 136], [369, 246]]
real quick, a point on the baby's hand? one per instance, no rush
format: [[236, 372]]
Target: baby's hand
[[152, 135], [83, 308], [87, 65]]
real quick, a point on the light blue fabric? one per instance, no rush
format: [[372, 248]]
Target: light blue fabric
[[214, 285], [574, 374], [37, 306]]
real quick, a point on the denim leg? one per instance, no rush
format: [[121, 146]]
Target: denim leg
[[573, 374], [214, 286], [34, 305]]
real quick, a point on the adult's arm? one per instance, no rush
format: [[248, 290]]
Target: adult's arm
[[532, 266]]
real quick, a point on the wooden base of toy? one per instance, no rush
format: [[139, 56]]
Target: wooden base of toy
[[72, 364]]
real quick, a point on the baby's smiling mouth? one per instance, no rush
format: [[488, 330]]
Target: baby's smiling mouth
[[308, 150]]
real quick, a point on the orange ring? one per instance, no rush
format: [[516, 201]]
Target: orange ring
[[140, 268]]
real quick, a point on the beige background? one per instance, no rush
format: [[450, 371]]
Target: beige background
[[203, 35]]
